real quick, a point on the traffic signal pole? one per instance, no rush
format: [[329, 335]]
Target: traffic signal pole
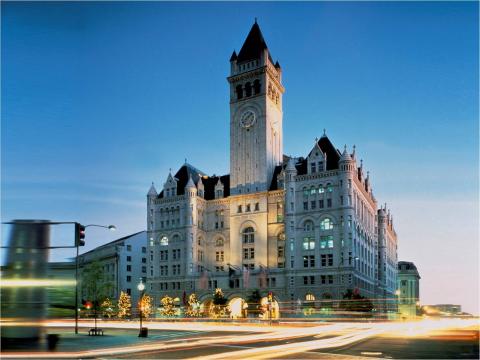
[[76, 292]]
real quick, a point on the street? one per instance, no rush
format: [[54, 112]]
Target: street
[[446, 338]]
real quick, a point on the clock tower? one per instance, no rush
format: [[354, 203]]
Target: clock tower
[[255, 116]]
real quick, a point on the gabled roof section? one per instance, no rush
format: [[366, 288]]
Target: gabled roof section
[[333, 155], [182, 176], [253, 46]]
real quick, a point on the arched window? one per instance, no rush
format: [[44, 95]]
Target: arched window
[[248, 89], [219, 242], [308, 225], [313, 190], [176, 238], [239, 91], [256, 87], [248, 235], [326, 224], [164, 241], [310, 297], [199, 240], [305, 191]]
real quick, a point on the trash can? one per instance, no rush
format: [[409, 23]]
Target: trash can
[[52, 340], [143, 332]]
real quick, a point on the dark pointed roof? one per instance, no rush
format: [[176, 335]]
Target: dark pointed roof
[[234, 56], [253, 46]]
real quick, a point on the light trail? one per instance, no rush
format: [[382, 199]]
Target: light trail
[[345, 334]]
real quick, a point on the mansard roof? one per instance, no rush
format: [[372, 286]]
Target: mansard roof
[[209, 185], [253, 46], [188, 171]]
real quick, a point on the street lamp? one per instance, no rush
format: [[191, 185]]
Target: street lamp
[[109, 227], [141, 288]]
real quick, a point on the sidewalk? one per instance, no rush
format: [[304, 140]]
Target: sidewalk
[[112, 338]]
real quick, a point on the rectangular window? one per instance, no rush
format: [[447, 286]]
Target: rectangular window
[[313, 167], [129, 278], [330, 259], [320, 166], [330, 279], [257, 206], [144, 269], [144, 260], [329, 202], [281, 251], [312, 261], [305, 205], [129, 258], [245, 253], [326, 242], [247, 207], [305, 261], [313, 204], [323, 279], [129, 267], [320, 204], [305, 280], [312, 280], [129, 247], [323, 258], [239, 210], [309, 243], [252, 253], [144, 249]]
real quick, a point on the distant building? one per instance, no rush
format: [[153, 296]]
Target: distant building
[[124, 263], [443, 309], [409, 289]]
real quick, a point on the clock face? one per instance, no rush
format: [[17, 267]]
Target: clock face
[[248, 119]]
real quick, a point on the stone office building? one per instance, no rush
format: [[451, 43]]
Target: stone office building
[[306, 228]]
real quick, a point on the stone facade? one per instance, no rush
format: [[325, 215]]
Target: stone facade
[[305, 228], [123, 263]]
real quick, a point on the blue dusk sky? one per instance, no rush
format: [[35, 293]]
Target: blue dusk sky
[[101, 99]]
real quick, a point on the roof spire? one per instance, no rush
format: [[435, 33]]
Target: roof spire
[[255, 19], [254, 46], [324, 133]]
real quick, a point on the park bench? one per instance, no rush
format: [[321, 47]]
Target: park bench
[[95, 332]]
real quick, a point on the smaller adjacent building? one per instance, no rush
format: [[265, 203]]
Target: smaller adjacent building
[[123, 263], [408, 289]]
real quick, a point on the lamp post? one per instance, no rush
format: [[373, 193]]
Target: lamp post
[[109, 227], [141, 288]]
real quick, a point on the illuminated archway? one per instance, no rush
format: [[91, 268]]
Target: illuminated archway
[[238, 308], [275, 309]]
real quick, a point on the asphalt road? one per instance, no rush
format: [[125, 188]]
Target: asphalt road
[[464, 346]]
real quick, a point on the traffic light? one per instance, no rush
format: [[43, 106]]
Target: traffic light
[[79, 234]]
